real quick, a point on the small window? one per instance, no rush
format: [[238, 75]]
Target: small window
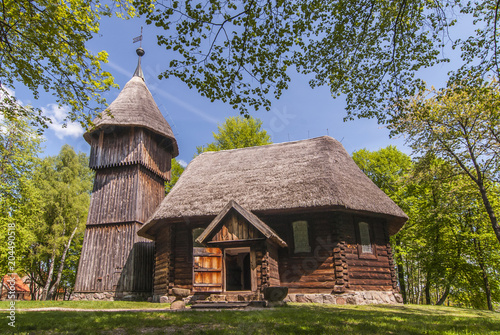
[[196, 233], [301, 237], [364, 236]]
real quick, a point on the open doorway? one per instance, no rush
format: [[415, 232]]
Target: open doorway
[[237, 269]]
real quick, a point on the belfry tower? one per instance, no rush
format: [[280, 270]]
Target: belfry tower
[[131, 150]]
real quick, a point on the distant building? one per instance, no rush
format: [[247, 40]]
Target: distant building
[[21, 288]]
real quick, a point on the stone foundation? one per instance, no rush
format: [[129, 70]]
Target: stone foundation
[[350, 298], [111, 296]]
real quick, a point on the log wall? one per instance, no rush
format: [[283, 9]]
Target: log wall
[[183, 257], [124, 194], [164, 265], [308, 272], [115, 259], [271, 259], [367, 272], [128, 146], [334, 264]]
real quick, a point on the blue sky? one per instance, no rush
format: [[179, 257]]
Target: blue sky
[[300, 113]]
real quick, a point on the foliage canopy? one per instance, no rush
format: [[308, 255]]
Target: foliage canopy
[[42, 46], [242, 52], [460, 124]]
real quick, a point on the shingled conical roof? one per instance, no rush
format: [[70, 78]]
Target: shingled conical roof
[[311, 174], [135, 107]]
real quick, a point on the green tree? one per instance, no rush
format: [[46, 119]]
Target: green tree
[[444, 251], [43, 47], [20, 201], [242, 52], [175, 173], [237, 132], [460, 124], [385, 167], [66, 183]]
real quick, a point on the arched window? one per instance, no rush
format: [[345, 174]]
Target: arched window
[[196, 233], [301, 237], [364, 236]]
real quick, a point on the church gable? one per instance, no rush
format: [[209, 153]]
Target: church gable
[[234, 224]]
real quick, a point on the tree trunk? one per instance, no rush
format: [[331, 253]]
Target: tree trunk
[[32, 286], [444, 296], [490, 211], [401, 272], [427, 290], [486, 282], [487, 289], [54, 287], [49, 275]]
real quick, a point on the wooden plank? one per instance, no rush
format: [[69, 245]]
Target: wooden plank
[[311, 285], [253, 270], [368, 275], [234, 226], [208, 268]]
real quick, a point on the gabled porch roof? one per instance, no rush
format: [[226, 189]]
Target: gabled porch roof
[[251, 218]]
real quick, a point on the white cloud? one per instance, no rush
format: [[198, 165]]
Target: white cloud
[[57, 115], [182, 163], [8, 90]]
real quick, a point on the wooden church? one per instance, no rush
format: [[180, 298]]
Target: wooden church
[[299, 215]]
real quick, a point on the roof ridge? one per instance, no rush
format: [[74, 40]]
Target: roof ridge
[[271, 144]]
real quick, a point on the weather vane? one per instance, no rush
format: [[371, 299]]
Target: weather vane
[[138, 39]]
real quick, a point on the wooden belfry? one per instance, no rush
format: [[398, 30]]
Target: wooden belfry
[[131, 150]]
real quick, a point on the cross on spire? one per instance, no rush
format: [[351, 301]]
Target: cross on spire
[[140, 52], [138, 39]]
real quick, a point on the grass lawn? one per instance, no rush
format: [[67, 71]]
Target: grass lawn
[[85, 304], [293, 319]]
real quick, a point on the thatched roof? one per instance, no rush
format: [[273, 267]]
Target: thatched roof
[[311, 174], [251, 218], [135, 106]]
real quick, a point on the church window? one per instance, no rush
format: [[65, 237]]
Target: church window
[[301, 237], [365, 239], [196, 233]]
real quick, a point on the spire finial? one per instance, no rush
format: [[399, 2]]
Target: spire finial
[[140, 52]]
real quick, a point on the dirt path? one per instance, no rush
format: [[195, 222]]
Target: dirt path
[[62, 309]]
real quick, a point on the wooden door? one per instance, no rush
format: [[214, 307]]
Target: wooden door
[[207, 270]]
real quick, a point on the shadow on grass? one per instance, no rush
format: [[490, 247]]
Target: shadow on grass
[[294, 319]]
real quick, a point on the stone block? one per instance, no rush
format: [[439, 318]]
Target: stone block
[[340, 301], [180, 292], [300, 298], [275, 293], [350, 300], [329, 299], [315, 298], [217, 298], [166, 299], [178, 304], [233, 298]]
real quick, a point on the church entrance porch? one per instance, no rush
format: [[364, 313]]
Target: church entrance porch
[[238, 274], [240, 255]]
